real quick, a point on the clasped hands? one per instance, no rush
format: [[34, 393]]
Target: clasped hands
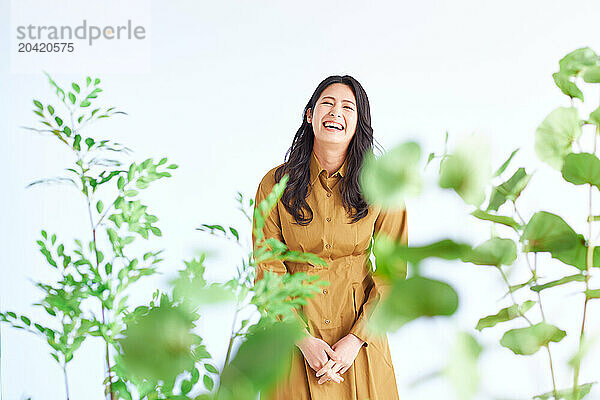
[[330, 362]]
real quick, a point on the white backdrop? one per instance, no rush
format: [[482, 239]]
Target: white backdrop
[[223, 97]]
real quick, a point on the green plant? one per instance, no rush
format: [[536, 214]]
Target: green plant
[[89, 296], [271, 303], [467, 171]]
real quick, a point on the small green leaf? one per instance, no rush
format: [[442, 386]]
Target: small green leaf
[[562, 281], [566, 86], [509, 190], [566, 394], [595, 116], [208, 382], [85, 103], [592, 293], [58, 121], [76, 142], [72, 98], [505, 314], [527, 341], [99, 206], [88, 80], [499, 219], [50, 109], [577, 61], [211, 368], [505, 164], [75, 87], [38, 104], [97, 81]]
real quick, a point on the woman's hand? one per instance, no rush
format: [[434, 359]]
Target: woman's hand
[[347, 349], [317, 353]]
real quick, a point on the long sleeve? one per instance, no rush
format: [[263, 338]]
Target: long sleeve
[[271, 229], [393, 223]]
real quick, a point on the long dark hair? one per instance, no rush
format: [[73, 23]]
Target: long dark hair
[[297, 158]]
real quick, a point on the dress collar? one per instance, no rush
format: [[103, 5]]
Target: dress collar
[[316, 169]]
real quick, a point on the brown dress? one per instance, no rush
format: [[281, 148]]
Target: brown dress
[[345, 305]]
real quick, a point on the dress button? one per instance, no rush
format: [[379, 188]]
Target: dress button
[[327, 321], [328, 219], [327, 246], [325, 291], [328, 194]]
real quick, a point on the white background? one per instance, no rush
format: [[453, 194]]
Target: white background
[[223, 97]]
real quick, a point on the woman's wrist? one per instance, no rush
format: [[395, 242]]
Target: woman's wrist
[[359, 340]]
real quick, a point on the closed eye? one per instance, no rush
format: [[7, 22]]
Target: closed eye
[[348, 107]]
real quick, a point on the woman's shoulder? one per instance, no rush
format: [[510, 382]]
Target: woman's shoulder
[[268, 180]]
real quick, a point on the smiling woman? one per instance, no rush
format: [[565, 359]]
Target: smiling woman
[[322, 211]]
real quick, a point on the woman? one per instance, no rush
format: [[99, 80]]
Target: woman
[[323, 212]]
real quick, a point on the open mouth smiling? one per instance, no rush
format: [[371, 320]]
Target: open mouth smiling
[[333, 126]]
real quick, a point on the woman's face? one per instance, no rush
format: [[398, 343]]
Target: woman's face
[[336, 106]]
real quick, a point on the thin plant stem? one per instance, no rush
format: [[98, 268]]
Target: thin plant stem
[[108, 367], [588, 264], [534, 274], [64, 368]]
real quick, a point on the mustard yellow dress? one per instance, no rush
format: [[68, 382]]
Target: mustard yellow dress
[[346, 304]]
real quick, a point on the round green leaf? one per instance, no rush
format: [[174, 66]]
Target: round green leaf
[[527, 341], [413, 298], [581, 168], [556, 134], [391, 178]]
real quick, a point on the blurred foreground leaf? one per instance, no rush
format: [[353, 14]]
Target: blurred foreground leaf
[[410, 299], [261, 361], [391, 178], [158, 343], [495, 251], [468, 170], [462, 369]]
